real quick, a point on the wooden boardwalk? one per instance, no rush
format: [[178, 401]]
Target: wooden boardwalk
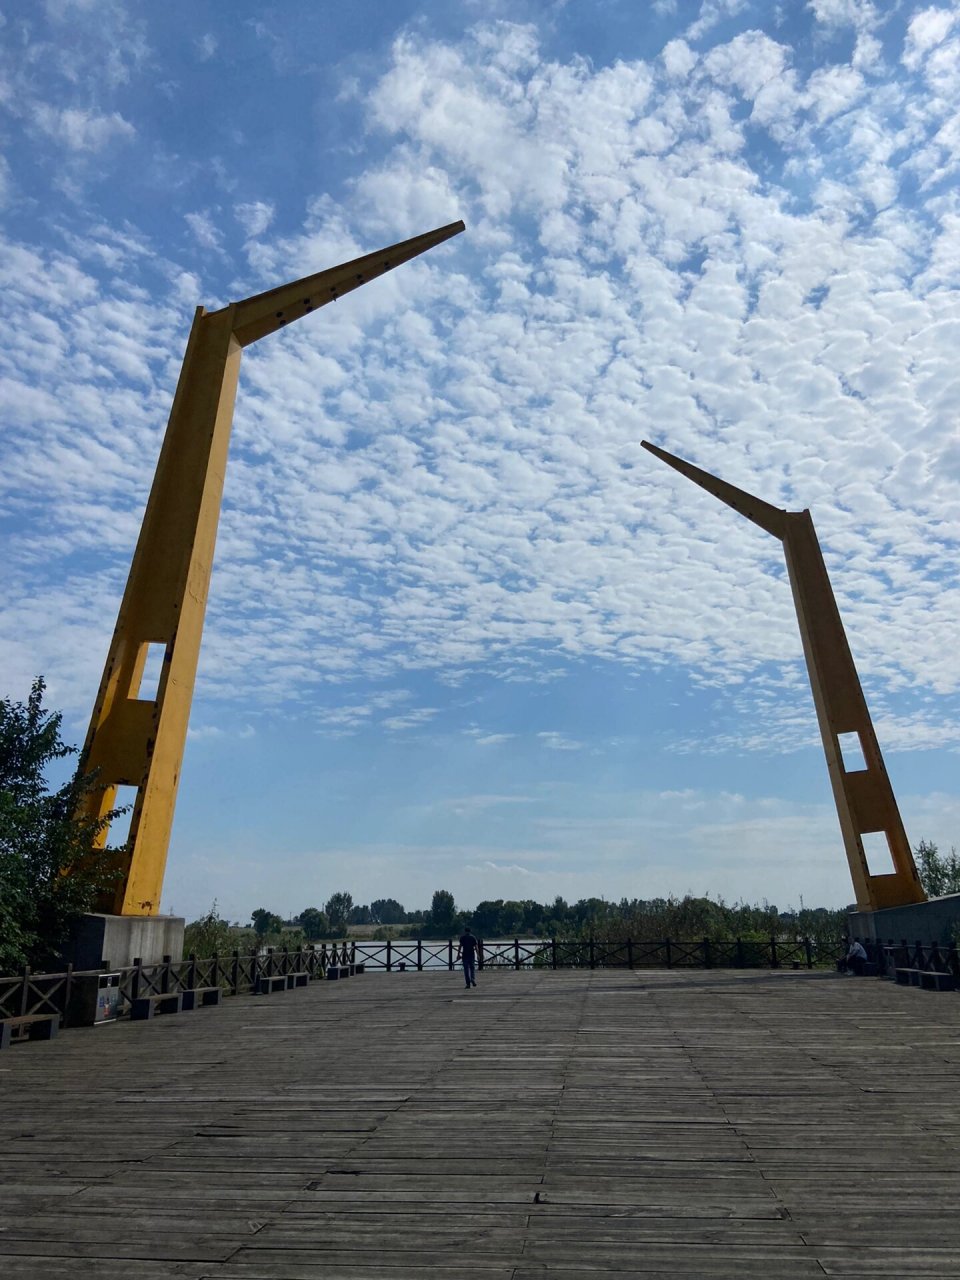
[[571, 1124]]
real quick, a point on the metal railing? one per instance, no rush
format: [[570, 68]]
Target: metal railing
[[240, 972], [595, 953]]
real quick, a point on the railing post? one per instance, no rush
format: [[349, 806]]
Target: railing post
[[553, 951], [592, 955], [67, 989], [808, 952], [215, 970], [25, 991], [235, 972], [135, 982], [165, 976], [629, 953], [254, 968], [740, 957], [450, 955], [270, 969], [774, 959], [669, 950], [419, 954], [389, 962], [516, 953], [192, 971], [707, 958]]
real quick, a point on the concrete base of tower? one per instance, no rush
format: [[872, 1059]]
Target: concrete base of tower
[[116, 941], [937, 920]]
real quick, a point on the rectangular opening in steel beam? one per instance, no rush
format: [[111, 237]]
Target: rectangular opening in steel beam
[[851, 752], [152, 671], [876, 846], [120, 827]]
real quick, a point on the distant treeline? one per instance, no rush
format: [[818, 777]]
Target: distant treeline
[[638, 918], [642, 919]]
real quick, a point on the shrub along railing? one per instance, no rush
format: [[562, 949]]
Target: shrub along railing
[[240, 972]]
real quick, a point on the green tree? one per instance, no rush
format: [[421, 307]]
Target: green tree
[[443, 911], [211, 935], [387, 911], [486, 917], [265, 922], [338, 908], [939, 872], [314, 924], [50, 870]]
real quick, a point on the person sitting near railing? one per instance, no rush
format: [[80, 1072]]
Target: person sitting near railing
[[854, 960]]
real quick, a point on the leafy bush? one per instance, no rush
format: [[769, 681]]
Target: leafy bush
[[50, 870]]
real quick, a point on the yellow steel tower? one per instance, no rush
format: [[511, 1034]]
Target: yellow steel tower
[[864, 797], [134, 741]]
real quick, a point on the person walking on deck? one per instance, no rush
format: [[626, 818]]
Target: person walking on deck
[[467, 951]]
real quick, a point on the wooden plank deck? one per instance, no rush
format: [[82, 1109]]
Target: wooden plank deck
[[664, 1125]]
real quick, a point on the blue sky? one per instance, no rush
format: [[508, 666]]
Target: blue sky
[[463, 632]]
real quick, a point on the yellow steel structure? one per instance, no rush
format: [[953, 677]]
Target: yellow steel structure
[[139, 742], [864, 797]]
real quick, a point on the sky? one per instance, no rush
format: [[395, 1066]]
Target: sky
[[463, 632]]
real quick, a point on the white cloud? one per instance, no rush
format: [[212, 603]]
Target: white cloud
[[843, 13], [557, 742], [82, 130], [206, 46], [206, 233], [443, 473], [832, 90], [678, 59], [411, 719], [500, 868], [254, 218], [711, 13]]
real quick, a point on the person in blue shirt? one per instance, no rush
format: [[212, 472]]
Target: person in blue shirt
[[467, 951]]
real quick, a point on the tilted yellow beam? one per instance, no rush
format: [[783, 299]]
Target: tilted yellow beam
[[136, 742], [864, 798]]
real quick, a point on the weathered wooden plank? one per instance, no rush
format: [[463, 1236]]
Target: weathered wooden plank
[[574, 1124]]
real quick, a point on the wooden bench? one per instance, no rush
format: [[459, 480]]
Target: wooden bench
[[38, 1026], [195, 997], [267, 985], [146, 1006], [934, 980], [300, 979], [928, 979]]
